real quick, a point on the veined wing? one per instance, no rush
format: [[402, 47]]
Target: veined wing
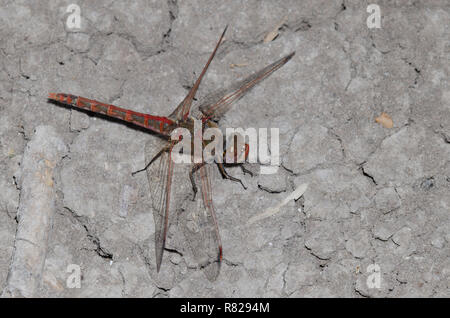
[[182, 110], [215, 105], [200, 226], [171, 195], [159, 175]]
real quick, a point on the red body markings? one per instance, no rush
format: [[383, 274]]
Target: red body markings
[[157, 124]]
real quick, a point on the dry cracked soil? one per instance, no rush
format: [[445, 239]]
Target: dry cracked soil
[[374, 220]]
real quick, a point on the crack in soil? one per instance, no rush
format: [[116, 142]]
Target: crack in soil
[[99, 250]]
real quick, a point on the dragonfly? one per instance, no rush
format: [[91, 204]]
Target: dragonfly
[[200, 226]]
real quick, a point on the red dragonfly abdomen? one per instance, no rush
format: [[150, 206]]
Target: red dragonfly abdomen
[[155, 123]]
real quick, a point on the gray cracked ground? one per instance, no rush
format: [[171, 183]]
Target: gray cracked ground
[[376, 195]]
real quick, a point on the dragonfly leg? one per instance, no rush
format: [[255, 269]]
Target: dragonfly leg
[[227, 176], [151, 161], [245, 170], [191, 177]]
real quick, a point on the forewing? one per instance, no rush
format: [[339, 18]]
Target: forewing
[[215, 105], [200, 226], [182, 110]]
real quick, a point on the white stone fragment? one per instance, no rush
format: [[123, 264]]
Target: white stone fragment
[[276, 209], [35, 213]]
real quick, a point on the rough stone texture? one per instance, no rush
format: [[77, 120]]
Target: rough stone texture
[[35, 213], [387, 200], [375, 195]]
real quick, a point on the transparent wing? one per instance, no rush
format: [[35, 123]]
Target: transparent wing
[[215, 105], [200, 226], [159, 175], [182, 110], [172, 203]]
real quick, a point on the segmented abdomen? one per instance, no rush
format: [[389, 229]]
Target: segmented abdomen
[[155, 123]]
